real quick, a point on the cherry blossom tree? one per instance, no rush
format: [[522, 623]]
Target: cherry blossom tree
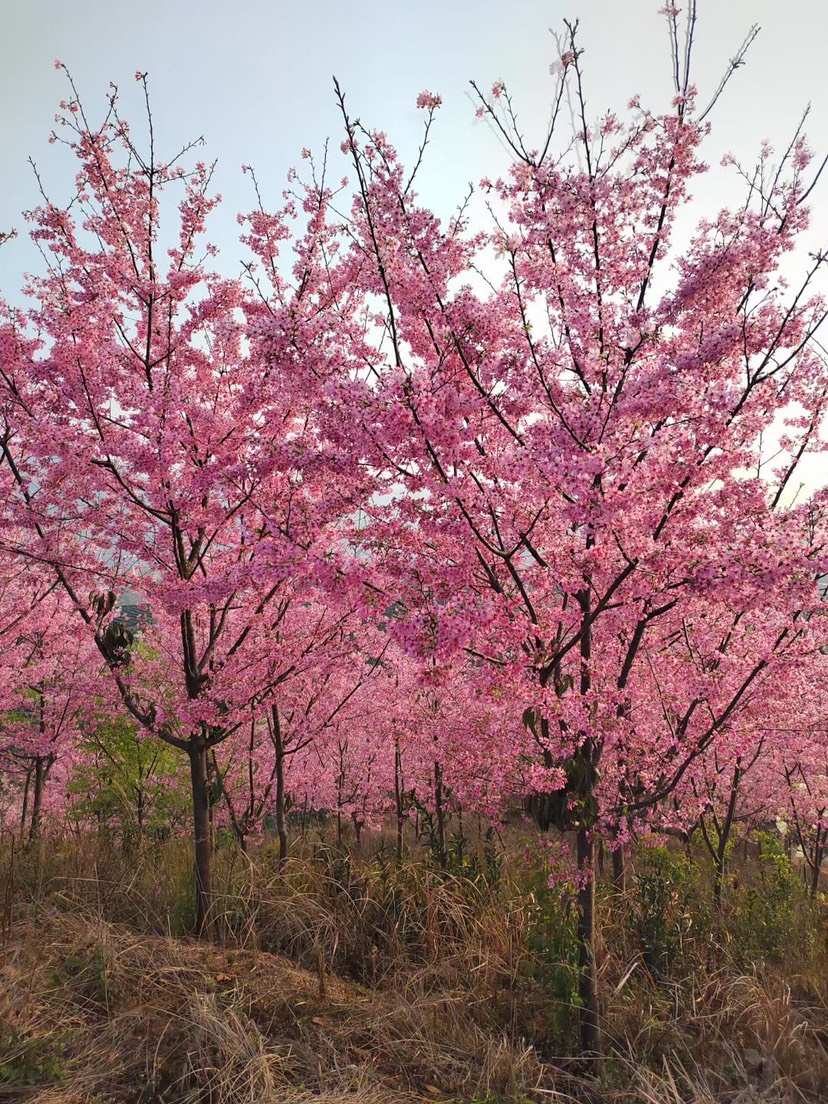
[[572, 455], [416, 510], [155, 436], [47, 674], [321, 677]]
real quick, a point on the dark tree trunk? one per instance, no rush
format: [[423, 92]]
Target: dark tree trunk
[[398, 801], [619, 870], [590, 1030], [281, 816], [25, 811], [819, 854], [440, 814], [718, 852], [718, 878], [40, 774], [201, 839]]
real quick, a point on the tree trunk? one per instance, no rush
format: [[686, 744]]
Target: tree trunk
[[440, 814], [590, 1030], [40, 773], [718, 877], [619, 870], [201, 839], [725, 831], [281, 817], [398, 801], [140, 813], [717, 855], [25, 811], [819, 853]]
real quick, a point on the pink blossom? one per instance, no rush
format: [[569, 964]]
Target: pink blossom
[[429, 100]]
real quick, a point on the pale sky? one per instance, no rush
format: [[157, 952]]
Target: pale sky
[[255, 79]]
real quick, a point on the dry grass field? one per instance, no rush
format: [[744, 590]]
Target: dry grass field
[[341, 978]]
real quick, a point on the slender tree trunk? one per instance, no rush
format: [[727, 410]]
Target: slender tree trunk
[[25, 811], [340, 790], [819, 854], [717, 855], [440, 814], [201, 839], [281, 817], [718, 877], [814, 887], [724, 833], [619, 870], [40, 772], [398, 801], [212, 775], [237, 824], [590, 1030]]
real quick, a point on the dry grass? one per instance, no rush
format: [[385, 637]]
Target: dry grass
[[92, 1010], [338, 981]]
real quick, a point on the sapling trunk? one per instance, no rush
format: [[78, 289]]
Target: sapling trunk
[[281, 796], [398, 801], [619, 869], [25, 810], [201, 839], [590, 1031], [40, 773], [440, 814]]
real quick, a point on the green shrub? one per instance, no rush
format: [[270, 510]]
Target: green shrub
[[672, 915], [771, 911], [27, 1060], [552, 962]]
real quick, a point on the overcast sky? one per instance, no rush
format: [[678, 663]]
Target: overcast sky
[[255, 79]]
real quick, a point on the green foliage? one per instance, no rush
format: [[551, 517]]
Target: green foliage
[[86, 975], [672, 914], [429, 828], [465, 861], [128, 784], [460, 859], [26, 1061], [552, 962], [770, 912]]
